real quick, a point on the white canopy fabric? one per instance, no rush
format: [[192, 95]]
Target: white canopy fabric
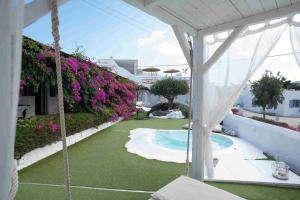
[[229, 75], [295, 39]]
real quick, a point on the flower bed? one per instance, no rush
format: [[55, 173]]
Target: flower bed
[[39, 131], [281, 124]]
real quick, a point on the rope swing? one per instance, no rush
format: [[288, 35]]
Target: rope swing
[[55, 33], [190, 106]]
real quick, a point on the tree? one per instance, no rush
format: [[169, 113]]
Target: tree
[[169, 88], [267, 91]]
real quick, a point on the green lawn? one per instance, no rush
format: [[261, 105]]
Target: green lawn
[[102, 161]]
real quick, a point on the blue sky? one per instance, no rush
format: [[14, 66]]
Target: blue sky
[[113, 28]]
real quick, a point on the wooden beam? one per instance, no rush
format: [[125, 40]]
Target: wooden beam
[[255, 19], [37, 9], [183, 43]]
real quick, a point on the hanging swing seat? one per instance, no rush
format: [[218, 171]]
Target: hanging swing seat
[[185, 188]]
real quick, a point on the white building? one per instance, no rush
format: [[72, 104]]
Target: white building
[[148, 79], [290, 107]]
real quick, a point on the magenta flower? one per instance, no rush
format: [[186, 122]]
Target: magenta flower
[[54, 128], [101, 96], [73, 64], [84, 66], [75, 86], [77, 98], [82, 76], [22, 84]]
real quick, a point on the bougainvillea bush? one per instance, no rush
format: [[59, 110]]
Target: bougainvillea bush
[[87, 87]]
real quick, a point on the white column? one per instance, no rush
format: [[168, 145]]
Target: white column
[[198, 104], [11, 24]]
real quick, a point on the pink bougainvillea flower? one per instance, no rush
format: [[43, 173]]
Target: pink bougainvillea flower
[[54, 128], [82, 76], [22, 84], [84, 66], [77, 98], [73, 64], [101, 96], [75, 86]]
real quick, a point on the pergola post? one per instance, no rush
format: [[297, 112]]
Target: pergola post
[[198, 105], [11, 24]]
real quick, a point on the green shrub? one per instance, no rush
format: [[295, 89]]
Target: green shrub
[[29, 137], [164, 106]]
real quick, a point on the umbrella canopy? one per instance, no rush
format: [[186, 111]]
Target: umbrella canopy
[[151, 69], [171, 71]]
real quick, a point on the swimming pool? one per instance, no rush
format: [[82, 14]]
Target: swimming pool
[[177, 140]]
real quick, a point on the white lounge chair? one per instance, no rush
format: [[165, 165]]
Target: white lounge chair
[[185, 188]]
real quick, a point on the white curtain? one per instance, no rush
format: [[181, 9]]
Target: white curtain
[[295, 39], [11, 25], [228, 76]]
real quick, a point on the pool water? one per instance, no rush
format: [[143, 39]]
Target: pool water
[[177, 139]]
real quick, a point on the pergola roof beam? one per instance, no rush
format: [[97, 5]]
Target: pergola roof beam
[[163, 14], [183, 43], [37, 9], [224, 46], [152, 2], [259, 18]]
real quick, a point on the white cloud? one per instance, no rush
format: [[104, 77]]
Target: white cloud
[[151, 39], [161, 45]]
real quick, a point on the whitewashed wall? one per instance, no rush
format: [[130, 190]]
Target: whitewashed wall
[[52, 105], [283, 109], [273, 140], [26, 100]]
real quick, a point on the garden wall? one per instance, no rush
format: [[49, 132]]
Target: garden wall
[[26, 102], [271, 139], [48, 150]]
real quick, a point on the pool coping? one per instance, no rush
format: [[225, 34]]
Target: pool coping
[[240, 163]]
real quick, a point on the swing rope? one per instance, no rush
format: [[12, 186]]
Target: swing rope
[[55, 33], [190, 107]]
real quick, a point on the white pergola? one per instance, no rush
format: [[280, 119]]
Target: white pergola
[[200, 18], [197, 18]]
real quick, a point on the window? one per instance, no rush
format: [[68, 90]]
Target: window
[[295, 103]]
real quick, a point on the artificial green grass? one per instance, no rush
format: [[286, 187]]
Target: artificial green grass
[[102, 161]]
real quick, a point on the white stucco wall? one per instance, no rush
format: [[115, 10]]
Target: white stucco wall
[[52, 105], [245, 100], [26, 100], [273, 140]]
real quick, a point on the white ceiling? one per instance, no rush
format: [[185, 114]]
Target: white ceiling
[[203, 14]]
